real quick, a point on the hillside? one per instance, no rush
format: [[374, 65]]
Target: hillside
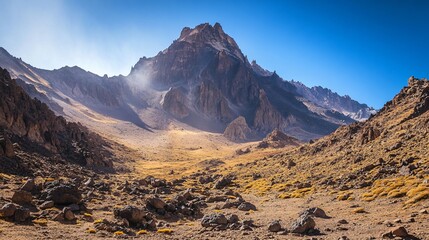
[[385, 156]]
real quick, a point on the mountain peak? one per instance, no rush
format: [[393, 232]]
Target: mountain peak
[[203, 31], [213, 36]]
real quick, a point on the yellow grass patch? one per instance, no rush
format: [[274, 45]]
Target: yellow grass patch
[[118, 233], [165, 230], [411, 187], [297, 193], [41, 222], [142, 232], [358, 210]]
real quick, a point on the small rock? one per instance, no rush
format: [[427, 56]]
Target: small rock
[[388, 223], [22, 197], [343, 238], [46, 205], [397, 220], [8, 210], [246, 228], [89, 183], [68, 214], [399, 232], [222, 182], [275, 226], [246, 206], [28, 185], [423, 211], [58, 217], [21, 214], [343, 221]]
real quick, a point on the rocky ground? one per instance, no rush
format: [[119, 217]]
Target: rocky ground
[[366, 181], [114, 206]]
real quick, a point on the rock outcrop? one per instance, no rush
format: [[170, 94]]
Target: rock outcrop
[[29, 121], [238, 130], [277, 139]]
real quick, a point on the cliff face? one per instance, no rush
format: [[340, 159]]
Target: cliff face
[[25, 119]]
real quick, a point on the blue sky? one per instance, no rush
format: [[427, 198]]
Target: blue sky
[[364, 48]]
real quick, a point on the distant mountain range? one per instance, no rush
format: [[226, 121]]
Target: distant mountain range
[[203, 80]]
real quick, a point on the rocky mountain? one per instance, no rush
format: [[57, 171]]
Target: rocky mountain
[[207, 78], [327, 99], [28, 126], [202, 79]]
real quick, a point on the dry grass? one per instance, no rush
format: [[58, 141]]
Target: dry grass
[[165, 230], [411, 187], [359, 210], [142, 232], [118, 233], [342, 196], [91, 230], [297, 193], [41, 222]]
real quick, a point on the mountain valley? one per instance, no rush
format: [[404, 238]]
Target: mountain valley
[[199, 143]]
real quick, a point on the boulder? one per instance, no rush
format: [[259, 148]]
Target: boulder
[[213, 220], [315, 212], [275, 226], [21, 214], [156, 203], [246, 206], [134, 215], [63, 194], [22, 197], [46, 205], [28, 186], [8, 210], [303, 224], [399, 232]]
